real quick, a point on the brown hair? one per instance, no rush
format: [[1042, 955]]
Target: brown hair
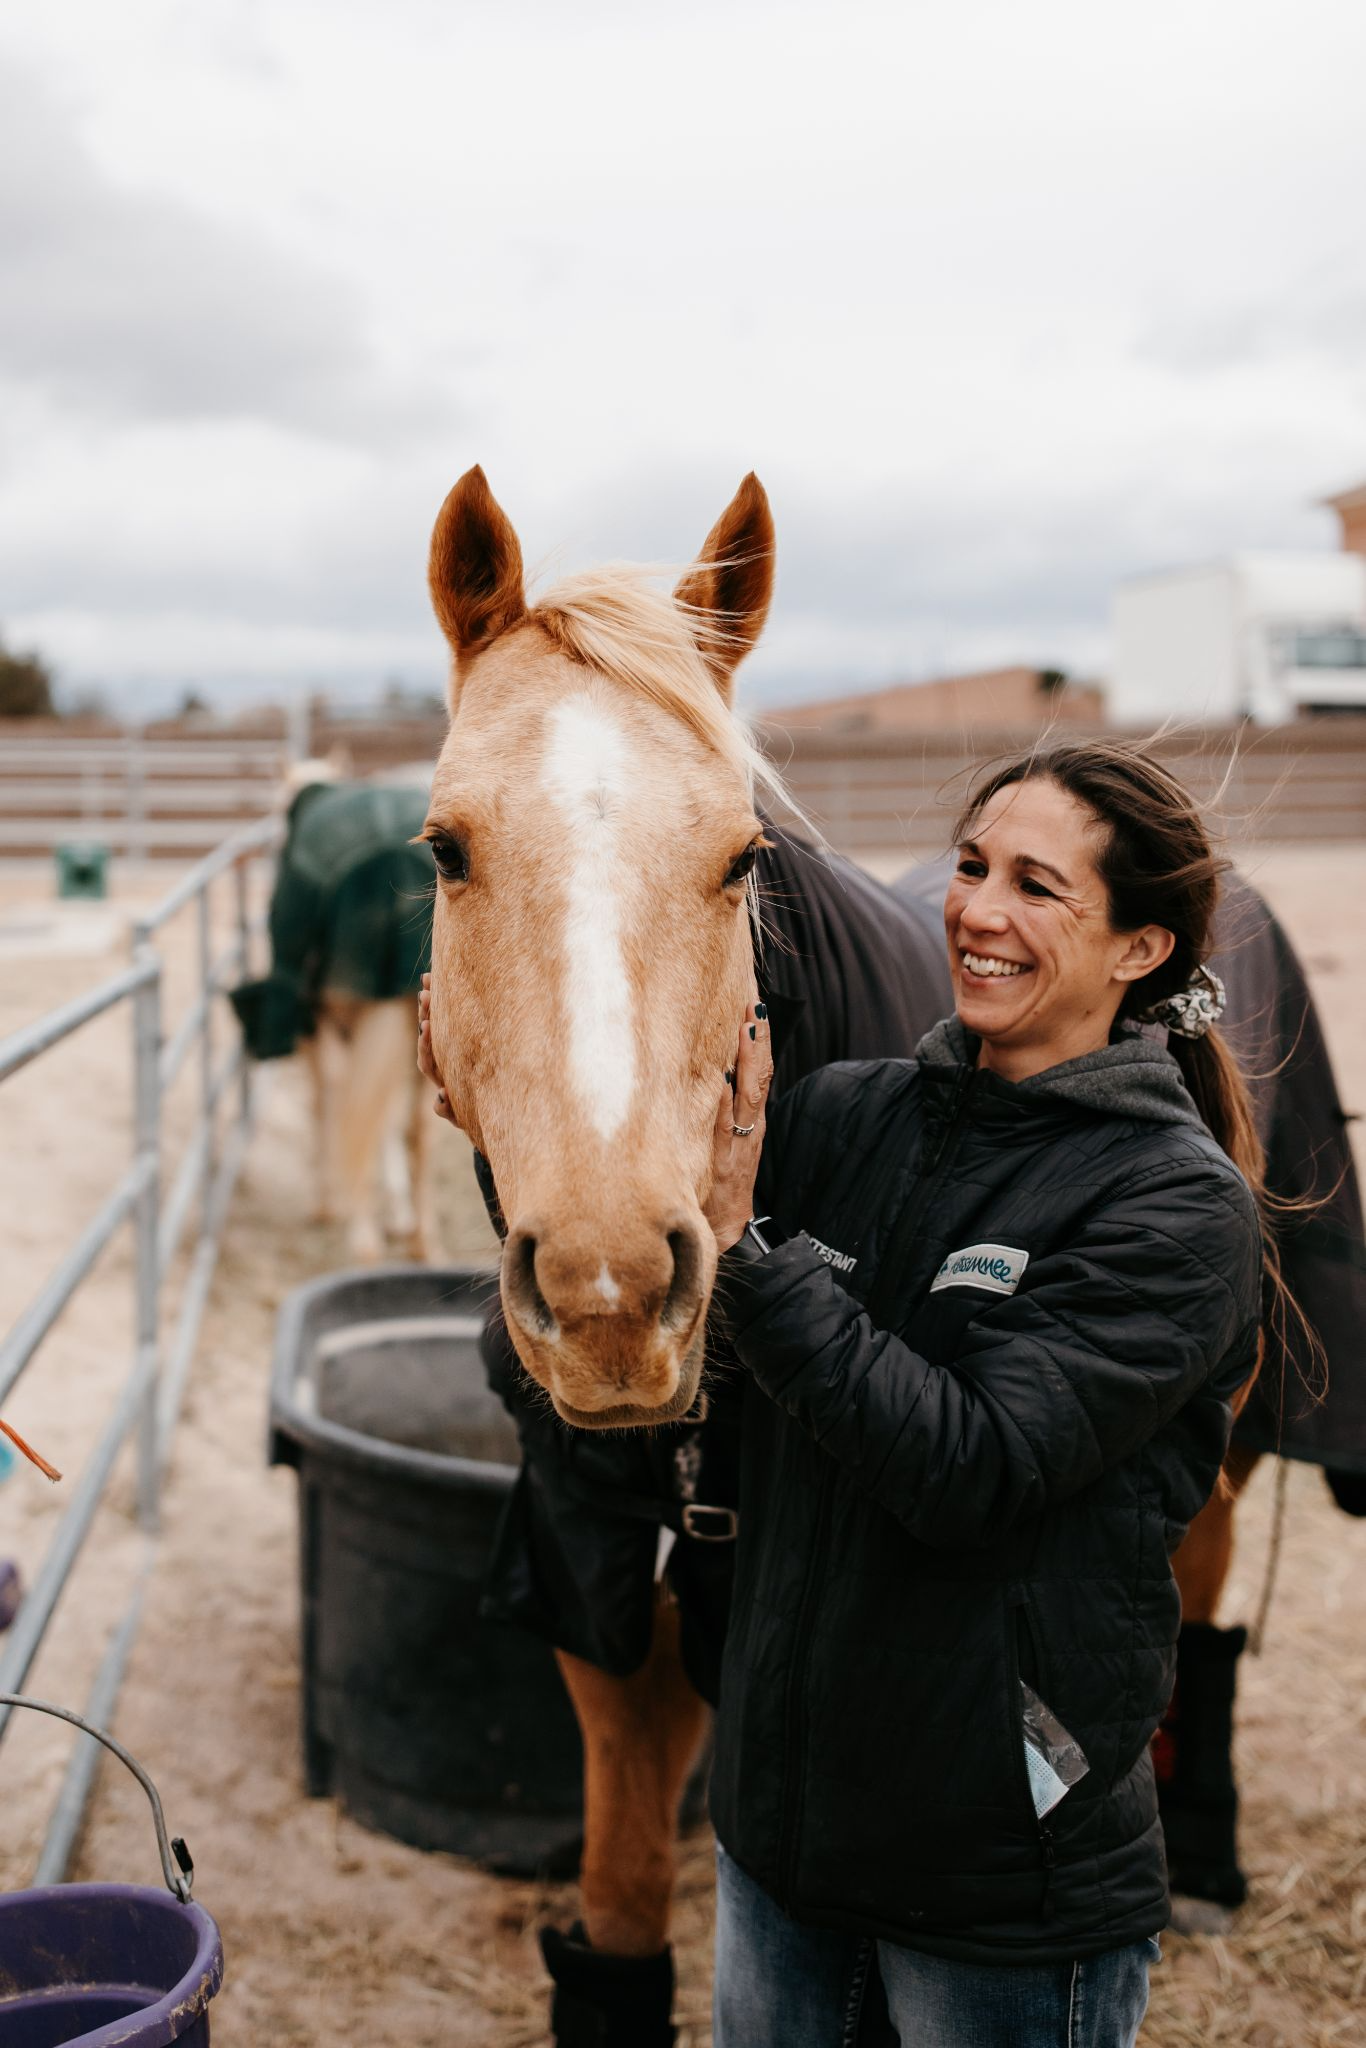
[[1159, 867]]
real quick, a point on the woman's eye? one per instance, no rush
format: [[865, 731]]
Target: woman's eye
[[452, 861], [741, 868], [974, 869], [1033, 888]]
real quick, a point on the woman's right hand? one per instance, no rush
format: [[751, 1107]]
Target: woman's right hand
[[426, 1058]]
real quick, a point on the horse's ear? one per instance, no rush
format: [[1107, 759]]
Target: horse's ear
[[729, 587], [475, 568]]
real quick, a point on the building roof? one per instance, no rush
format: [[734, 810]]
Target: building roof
[[1001, 696]]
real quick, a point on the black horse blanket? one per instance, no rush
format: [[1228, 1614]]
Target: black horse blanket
[[351, 909]]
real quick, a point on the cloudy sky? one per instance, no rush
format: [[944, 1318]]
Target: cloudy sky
[[1002, 300]]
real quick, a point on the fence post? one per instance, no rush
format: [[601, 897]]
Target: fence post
[[135, 831], [207, 1108], [146, 1220], [241, 877]]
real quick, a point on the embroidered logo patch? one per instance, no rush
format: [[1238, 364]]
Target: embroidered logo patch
[[996, 1267]]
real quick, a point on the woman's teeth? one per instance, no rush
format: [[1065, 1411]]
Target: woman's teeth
[[982, 963]]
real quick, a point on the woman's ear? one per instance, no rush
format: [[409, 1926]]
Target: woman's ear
[[1146, 950], [729, 586]]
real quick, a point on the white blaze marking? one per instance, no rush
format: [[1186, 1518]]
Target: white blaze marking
[[585, 774], [607, 1286]]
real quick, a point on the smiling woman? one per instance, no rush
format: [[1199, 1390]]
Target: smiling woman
[[1038, 969], [974, 1437]]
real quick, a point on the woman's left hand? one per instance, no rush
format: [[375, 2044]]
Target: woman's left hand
[[735, 1159]]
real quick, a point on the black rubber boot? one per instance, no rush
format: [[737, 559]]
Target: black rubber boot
[[1193, 1756], [605, 2001]]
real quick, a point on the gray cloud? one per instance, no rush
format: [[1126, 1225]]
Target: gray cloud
[[915, 578], [136, 306], [1319, 314]]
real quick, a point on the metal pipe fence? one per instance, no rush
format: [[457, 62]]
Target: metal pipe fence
[[147, 1405]]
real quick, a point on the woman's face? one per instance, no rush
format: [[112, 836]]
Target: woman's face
[[1038, 973]]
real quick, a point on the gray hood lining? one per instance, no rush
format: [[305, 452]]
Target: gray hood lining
[[1133, 1077]]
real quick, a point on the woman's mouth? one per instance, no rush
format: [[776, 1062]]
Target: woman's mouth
[[991, 966]]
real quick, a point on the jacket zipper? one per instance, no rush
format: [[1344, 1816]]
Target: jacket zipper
[[794, 1717], [911, 1216], [1023, 1624]]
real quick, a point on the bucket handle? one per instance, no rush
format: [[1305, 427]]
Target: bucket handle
[[178, 1881]]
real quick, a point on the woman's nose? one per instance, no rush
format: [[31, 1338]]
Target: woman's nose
[[984, 911]]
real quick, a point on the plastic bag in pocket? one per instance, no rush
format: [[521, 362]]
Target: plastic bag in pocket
[[1055, 1760]]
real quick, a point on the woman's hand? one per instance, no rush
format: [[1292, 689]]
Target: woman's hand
[[735, 1159], [426, 1058]]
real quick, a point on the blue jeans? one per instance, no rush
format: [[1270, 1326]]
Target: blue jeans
[[779, 1985]]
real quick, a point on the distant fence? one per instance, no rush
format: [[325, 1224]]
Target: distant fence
[[879, 792], [174, 790], [177, 789], [135, 795], [161, 1210]]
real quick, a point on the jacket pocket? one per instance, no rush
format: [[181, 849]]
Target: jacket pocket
[[1023, 1664]]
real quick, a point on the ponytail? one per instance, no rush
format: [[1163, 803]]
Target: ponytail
[[1218, 1090]]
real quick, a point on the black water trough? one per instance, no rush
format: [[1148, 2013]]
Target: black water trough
[[430, 1723]]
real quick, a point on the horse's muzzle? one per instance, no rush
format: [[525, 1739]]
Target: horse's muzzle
[[616, 1339]]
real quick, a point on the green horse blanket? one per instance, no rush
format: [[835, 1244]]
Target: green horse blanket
[[351, 910]]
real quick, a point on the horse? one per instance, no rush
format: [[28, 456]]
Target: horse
[[350, 933], [597, 930]]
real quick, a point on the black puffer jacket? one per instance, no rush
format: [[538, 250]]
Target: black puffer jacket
[[1071, 1269]]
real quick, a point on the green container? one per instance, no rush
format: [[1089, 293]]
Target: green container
[[82, 869]]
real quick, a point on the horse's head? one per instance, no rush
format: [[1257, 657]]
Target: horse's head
[[593, 824]]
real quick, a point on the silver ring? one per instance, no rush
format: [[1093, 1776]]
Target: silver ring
[[742, 1130]]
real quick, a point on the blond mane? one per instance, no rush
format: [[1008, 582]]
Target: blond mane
[[620, 619]]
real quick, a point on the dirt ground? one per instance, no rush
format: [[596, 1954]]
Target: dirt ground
[[336, 1935]]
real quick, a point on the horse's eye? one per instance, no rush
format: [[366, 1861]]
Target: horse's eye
[[741, 868], [451, 858]]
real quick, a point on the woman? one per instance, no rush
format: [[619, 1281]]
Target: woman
[[995, 1321]]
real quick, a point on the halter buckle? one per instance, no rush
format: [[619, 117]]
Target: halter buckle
[[700, 1522]]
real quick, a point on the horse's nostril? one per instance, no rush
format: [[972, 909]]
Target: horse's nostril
[[685, 1289], [519, 1279]]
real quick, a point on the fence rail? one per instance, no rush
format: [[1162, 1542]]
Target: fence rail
[[147, 1405], [877, 792], [137, 796]]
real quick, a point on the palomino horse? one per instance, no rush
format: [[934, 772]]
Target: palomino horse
[[349, 929], [594, 829]]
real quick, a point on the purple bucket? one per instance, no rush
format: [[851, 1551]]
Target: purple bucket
[[85, 1965], [91, 1965]]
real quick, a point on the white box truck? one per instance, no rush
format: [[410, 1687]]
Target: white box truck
[[1267, 637]]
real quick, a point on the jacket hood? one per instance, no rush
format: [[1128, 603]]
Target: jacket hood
[[1133, 1077]]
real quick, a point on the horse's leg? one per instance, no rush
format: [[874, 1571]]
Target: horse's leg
[[1193, 1751], [320, 1051], [381, 1041], [1201, 1563], [614, 1975], [641, 1736]]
